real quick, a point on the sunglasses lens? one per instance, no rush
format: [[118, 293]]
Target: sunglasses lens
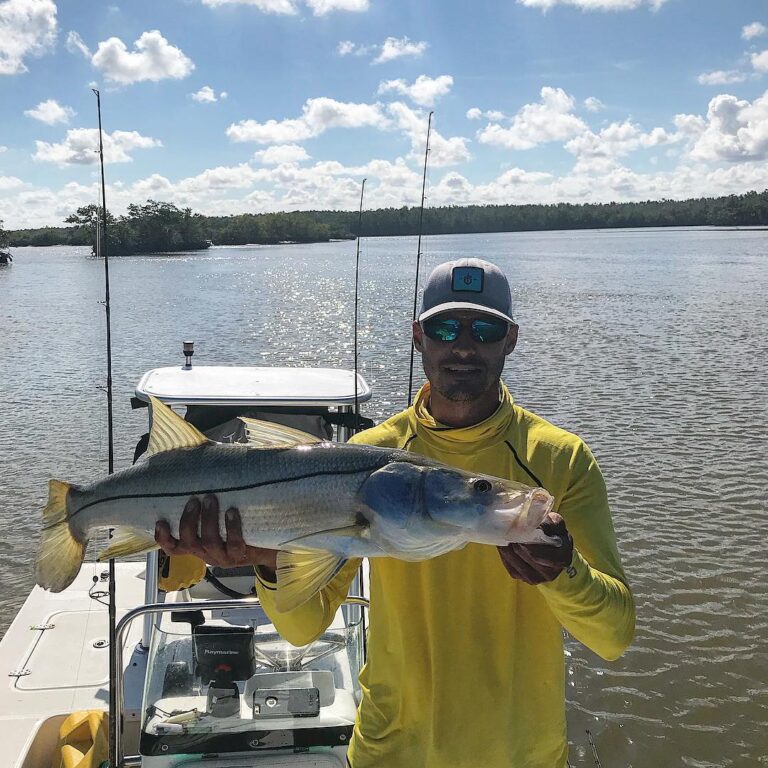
[[489, 331], [445, 329]]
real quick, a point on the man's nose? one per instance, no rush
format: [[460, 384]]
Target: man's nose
[[465, 342]]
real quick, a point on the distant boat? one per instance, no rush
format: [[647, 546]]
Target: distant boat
[[5, 258]]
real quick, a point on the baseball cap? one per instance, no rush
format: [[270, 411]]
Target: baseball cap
[[467, 284]]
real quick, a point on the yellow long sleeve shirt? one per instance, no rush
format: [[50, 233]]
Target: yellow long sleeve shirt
[[465, 664]]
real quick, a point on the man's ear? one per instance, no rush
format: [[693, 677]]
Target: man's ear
[[511, 341], [418, 336]]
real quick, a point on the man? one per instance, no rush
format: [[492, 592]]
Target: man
[[465, 654]]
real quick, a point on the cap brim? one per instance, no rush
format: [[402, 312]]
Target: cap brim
[[452, 306]]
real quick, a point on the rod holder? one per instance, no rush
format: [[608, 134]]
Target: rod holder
[[189, 350]]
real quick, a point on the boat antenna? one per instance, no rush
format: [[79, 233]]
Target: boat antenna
[[418, 254], [357, 280], [104, 252]]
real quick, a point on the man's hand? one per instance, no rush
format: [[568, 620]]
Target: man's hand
[[199, 535], [539, 563]]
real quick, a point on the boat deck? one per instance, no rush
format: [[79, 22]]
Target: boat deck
[[55, 659]]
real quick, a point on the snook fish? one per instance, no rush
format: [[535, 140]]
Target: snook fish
[[319, 503]]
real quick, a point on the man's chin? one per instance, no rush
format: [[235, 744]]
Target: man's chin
[[461, 393]]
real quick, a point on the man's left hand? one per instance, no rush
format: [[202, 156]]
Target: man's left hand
[[539, 563]]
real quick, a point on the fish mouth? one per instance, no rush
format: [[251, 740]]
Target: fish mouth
[[519, 521]]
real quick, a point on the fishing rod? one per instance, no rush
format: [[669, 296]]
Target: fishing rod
[[418, 253], [104, 251], [357, 279]]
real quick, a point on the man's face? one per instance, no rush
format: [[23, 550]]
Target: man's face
[[464, 369]]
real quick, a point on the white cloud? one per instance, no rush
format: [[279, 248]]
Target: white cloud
[[598, 152], [3, 149], [206, 95], [551, 119], [279, 154], [154, 58], [735, 130], [287, 7], [27, 28], [10, 182], [76, 44], [760, 61], [593, 104], [291, 8], [594, 5], [318, 115], [224, 177], [424, 90], [473, 113], [442, 151], [395, 48], [50, 112], [721, 77], [345, 47], [755, 29], [80, 147], [321, 7]]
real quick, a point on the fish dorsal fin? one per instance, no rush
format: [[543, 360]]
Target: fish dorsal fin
[[267, 434], [169, 430]]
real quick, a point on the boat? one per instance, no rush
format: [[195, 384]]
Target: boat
[[5, 257], [271, 704]]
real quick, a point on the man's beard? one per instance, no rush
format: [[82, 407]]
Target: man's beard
[[470, 389]]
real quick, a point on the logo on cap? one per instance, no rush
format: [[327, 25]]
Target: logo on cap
[[467, 279]]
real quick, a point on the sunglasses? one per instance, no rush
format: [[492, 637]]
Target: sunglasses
[[447, 329]]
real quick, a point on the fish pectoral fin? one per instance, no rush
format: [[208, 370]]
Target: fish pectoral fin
[[302, 574], [266, 434], [127, 541], [356, 530], [169, 430]]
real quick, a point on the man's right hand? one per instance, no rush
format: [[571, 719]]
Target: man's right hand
[[199, 535]]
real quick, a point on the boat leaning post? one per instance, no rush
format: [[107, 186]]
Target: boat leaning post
[[116, 757]]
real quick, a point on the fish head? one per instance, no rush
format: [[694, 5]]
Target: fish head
[[490, 510], [427, 508]]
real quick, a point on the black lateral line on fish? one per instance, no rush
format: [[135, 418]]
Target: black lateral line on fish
[[220, 490]]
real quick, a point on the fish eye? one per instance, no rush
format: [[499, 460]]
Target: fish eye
[[482, 486]]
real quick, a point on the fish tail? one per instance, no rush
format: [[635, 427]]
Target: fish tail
[[61, 553]]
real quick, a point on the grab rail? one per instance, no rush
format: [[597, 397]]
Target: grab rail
[[116, 757]]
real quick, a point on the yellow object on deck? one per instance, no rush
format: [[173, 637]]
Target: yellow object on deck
[[83, 740]]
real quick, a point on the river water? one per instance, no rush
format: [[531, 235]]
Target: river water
[[649, 344]]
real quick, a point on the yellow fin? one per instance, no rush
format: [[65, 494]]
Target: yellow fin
[[266, 434], [169, 430], [301, 575], [61, 554], [125, 542], [356, 530]]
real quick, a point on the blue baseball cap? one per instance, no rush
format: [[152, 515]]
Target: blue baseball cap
[[467, 284]]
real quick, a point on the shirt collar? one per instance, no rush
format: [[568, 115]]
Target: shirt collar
[[461, 439]]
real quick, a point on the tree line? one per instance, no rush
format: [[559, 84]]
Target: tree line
[[159, 227]]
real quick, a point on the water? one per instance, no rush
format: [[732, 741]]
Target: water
[[649, 344]]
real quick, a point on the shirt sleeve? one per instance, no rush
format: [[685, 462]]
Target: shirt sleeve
[[179, 571], [591, 598], [307, 622]]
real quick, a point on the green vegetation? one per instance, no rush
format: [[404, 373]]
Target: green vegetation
[[151, 228], [157, 227]]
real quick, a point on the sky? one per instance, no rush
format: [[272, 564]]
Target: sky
[[247, 106]]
